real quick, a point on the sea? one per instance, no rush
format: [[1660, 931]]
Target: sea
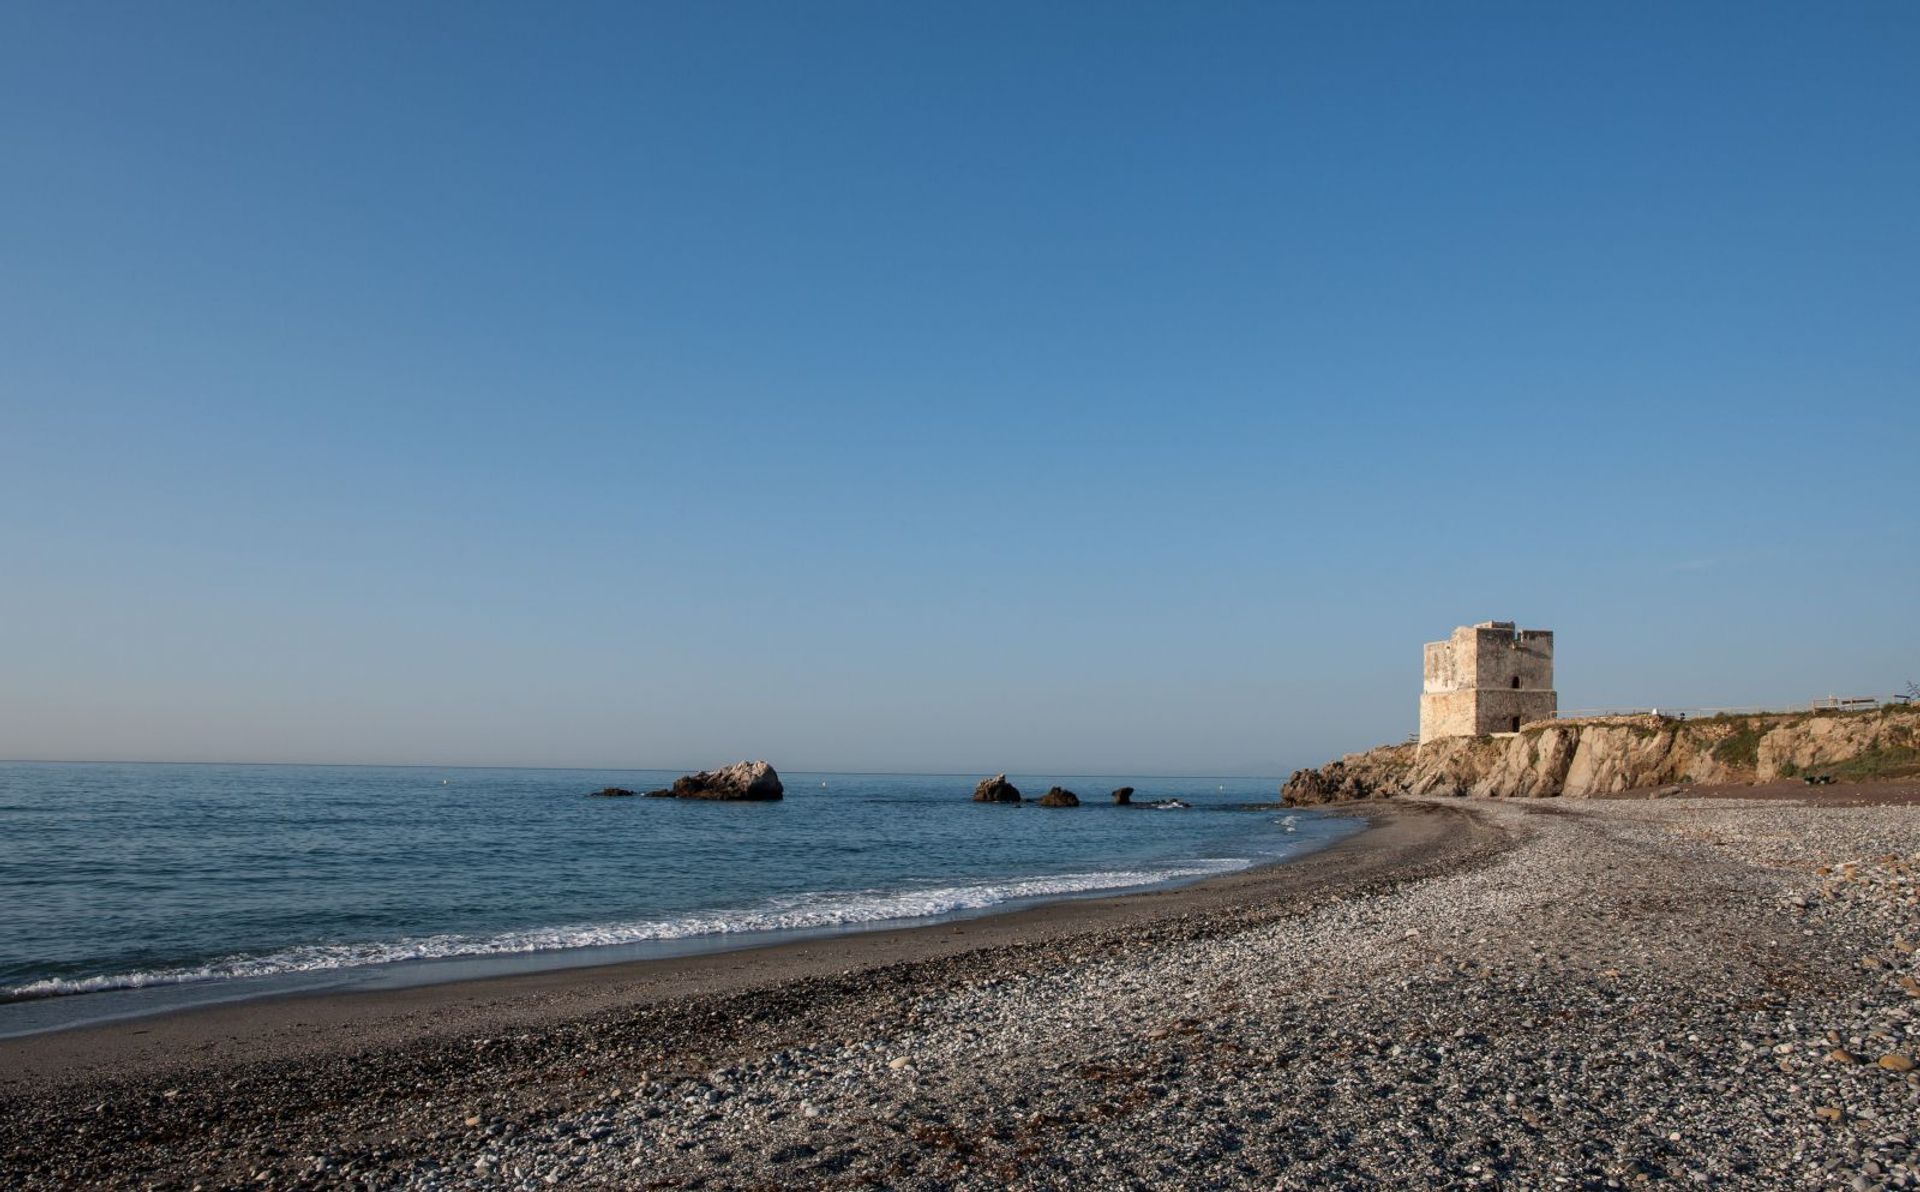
[[130, 889]]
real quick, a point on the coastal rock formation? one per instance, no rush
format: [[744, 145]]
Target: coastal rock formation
[[1123, 797], [740, 782], [1059, 797], [1605, 755], [613, 792], [996, 790]]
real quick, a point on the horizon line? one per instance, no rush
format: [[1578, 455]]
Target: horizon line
[[71, 761]]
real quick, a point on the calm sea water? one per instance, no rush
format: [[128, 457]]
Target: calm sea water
[[213, 881]]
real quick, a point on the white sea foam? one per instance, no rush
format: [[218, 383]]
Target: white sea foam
[[800, 912]]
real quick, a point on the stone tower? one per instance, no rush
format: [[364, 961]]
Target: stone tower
[[1487, 678]]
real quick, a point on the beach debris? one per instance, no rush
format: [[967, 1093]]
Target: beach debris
[[996, 790], [1123, 797], [740, 782], [1059, 796]]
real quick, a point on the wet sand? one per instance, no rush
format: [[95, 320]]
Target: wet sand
[[1606, 993], [299, 1026]]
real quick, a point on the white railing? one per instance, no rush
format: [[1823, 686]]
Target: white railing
[[1828, 704], [1837, 703]]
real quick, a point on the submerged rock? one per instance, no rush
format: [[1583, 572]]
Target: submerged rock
[[613, 792], [742, 781], [1059, 797], [996, 790], [1123, 797]]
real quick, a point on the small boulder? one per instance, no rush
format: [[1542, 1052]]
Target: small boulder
[[996, 790], [1059, 797], [613, 792], [740, 782], [1123, 797]]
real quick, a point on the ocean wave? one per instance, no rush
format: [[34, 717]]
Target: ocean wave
[[799, 912]]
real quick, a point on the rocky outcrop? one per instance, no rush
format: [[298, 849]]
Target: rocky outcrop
[[996, 790], [613, 792], [1374, 774], [1601, 756], [740, 782], [1059, 797], [1123, 797]]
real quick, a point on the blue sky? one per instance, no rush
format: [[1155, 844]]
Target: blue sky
[[963, 387]]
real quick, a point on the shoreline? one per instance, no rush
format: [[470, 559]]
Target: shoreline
[[1529, 993], [308, 1023], [65, 1010]]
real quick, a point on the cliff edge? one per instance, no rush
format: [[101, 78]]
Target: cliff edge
[[1578, 758]]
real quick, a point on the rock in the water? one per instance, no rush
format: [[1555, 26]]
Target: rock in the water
[[1059, 797], [996, 790], [614, 792], [743, 781], [1123, 797]]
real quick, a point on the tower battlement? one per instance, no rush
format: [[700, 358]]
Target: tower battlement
[[1487, 678]]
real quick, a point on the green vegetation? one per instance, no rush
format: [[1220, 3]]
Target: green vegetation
[[1741, 747], [1882, 761], [1770, 719]]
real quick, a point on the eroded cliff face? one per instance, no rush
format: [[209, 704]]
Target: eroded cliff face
[[1595, 757]]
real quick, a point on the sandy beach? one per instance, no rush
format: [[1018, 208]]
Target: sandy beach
[[1605, 993]]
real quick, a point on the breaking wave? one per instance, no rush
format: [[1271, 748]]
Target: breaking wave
[[800, 912]]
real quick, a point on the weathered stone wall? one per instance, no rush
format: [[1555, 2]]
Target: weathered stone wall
[[1486, 678], [1449, 714], [1501, 710], [1448, 668], [1513, 661]]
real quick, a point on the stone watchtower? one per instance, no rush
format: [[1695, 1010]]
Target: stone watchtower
[[1487, 678]]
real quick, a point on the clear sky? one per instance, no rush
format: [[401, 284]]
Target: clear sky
[[1109, 388]]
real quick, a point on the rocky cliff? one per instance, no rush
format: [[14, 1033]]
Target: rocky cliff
[[1594, 757]]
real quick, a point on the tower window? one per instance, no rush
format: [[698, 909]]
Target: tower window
[[1516, 682], [1516, 719]]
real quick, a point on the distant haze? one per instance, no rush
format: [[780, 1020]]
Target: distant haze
[[1125, 390]]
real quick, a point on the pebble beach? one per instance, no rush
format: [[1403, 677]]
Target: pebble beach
[[1473, 993]]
